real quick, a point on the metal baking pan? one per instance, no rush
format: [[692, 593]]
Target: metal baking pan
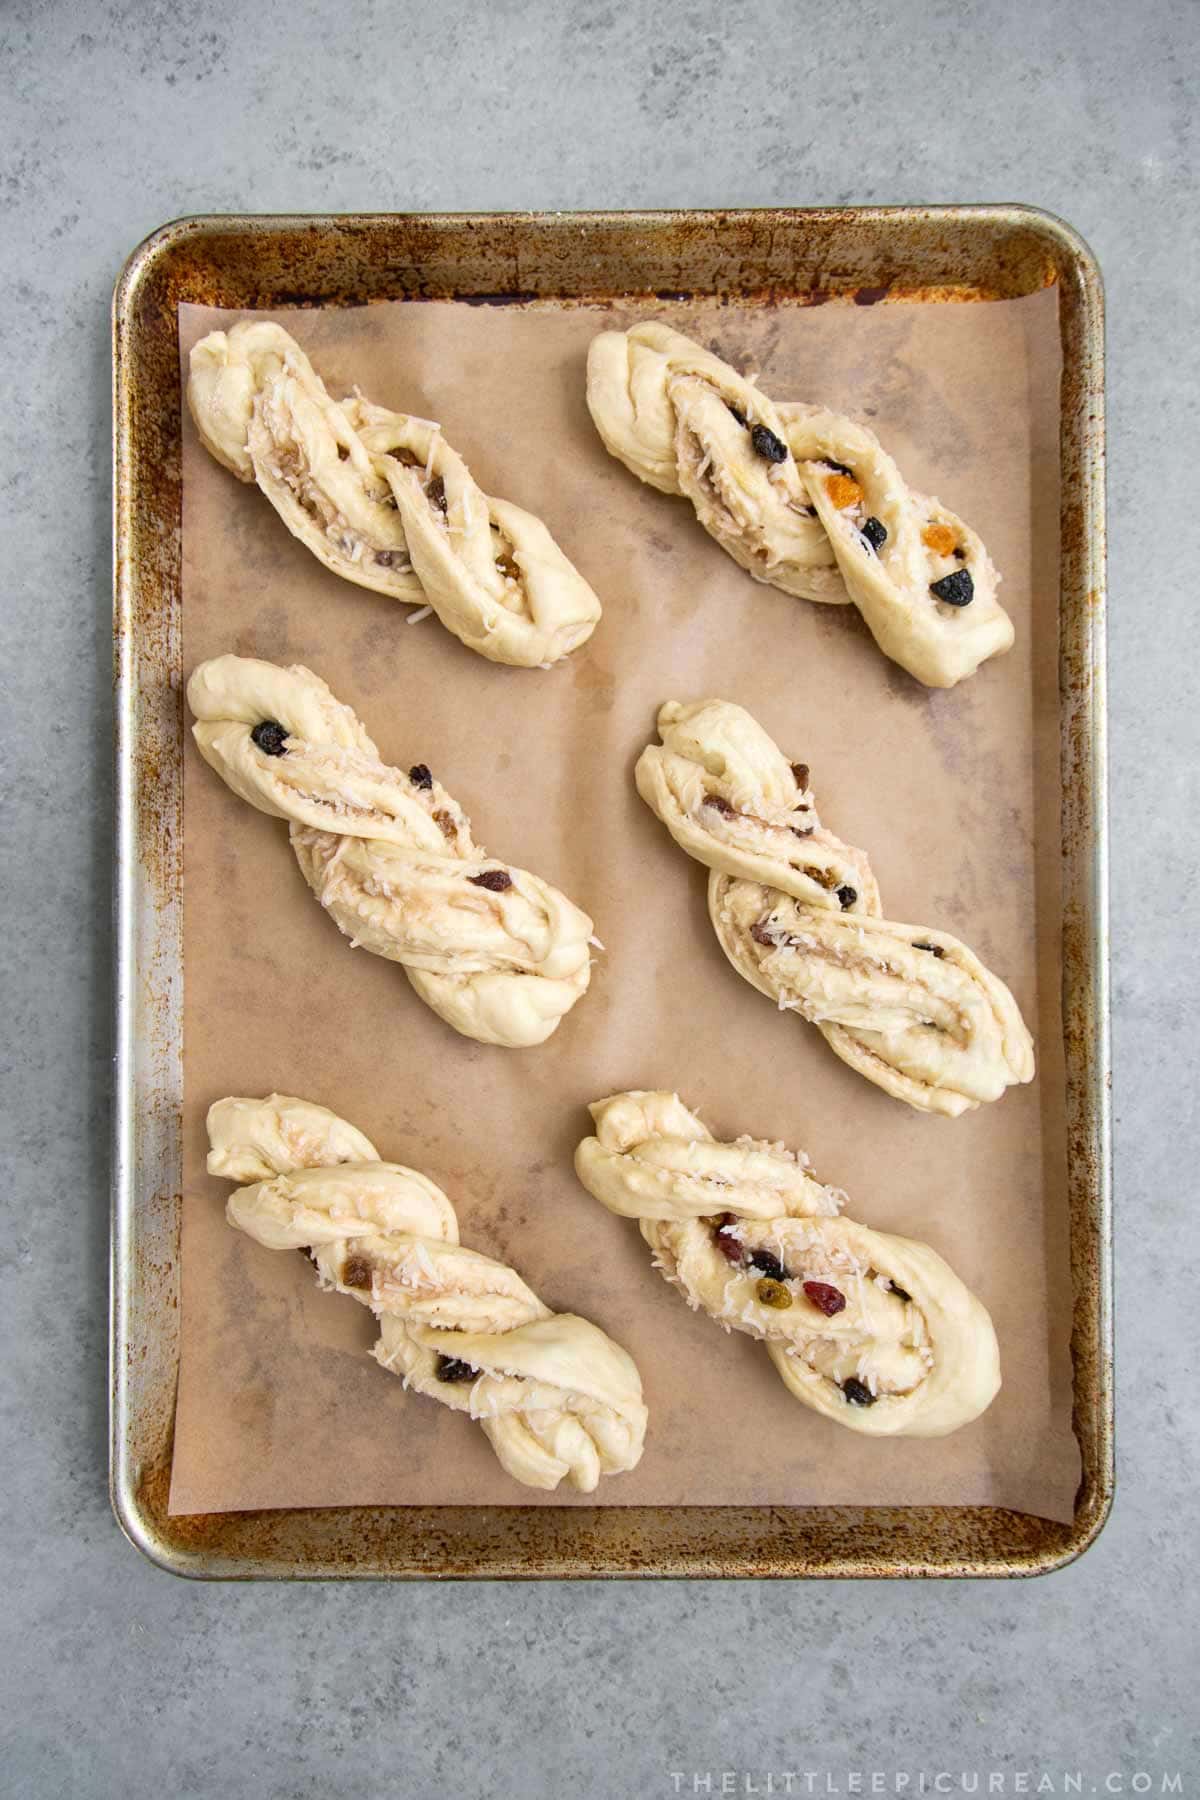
[[868, 255]]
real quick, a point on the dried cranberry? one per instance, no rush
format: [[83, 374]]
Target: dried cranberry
[[420, 776], [875, 533], [847, 895], [770, 1265], [826, 1299], [495, 880], [956, 589], [729, 1246], [857, 1392], [270, 736], [933, 949], [767, 445], [452, 1368]]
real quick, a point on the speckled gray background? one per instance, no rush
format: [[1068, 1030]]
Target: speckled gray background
[[118, 1679]]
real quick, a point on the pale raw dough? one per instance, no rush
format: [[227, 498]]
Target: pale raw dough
[[557, 1398], [918, 1347], [908, 1006], [495, 951], [686, 423], [381, 499]]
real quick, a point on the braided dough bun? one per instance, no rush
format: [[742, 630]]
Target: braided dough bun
[[804, 499], [888, 1341], [382, 500], [909, 1007], [495, 951], [557, 1399]]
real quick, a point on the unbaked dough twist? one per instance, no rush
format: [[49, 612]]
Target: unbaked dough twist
[[804, 499], [874, 1331], [556, 1397], [495, 951], [798, 913], [382, 499]]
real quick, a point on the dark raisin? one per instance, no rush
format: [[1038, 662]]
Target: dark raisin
[[956, 589], [767, 445], [839, 468], [270, 736], [847, 895], [770, 1265], [508, 567], [933, 949], [801, 831], [722, 805], [729, 1246], [801, 771], [343, 453], [435, 493], [761, 934], [826, 1299], [385, 558], [900, 1293], [739, 416], [875, 533], [452, 1368], [406, 457], [495, 880], [420, 776], [356, 1272], [857, 1392]]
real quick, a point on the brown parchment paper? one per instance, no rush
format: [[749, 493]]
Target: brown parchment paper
[[954, 795]]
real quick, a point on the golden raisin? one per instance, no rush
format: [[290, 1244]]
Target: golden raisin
[[939, 538], [773, 1293], [843, 491]]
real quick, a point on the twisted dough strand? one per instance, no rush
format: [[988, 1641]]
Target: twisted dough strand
[[802, 498], [495, 951], [557, 1399], [797, 912], [382, 500], [874, 1331]]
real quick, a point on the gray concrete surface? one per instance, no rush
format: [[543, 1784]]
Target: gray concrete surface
[[119, 115]]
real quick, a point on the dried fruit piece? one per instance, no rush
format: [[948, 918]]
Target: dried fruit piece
[[847, 895], [900, 1293], [768, 1265], [446, 822], [721, 804], [956, 589], [729, 1246], [495, 880], [857, 1392], [773, 1294], [825, 1298], [802, 772], [875, 533], [435, 493], [420, 776], [767, 445], [452, 1368], [843, 490], [739, 416], [838, 468], [386, 558], [760, 932], [269, 736], [356, 1272], [939, 539], [933, 949]]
